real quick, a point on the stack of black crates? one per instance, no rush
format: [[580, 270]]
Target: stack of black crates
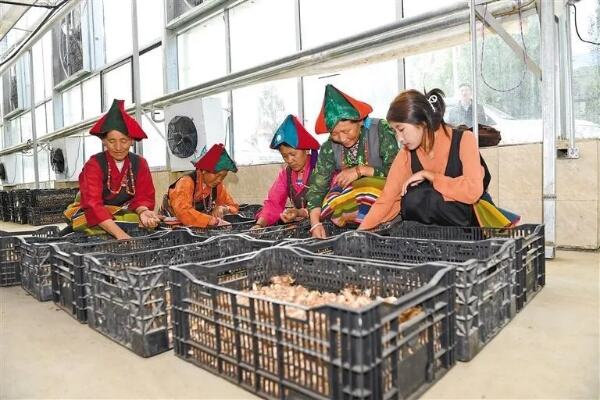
[[46, 206], [35, 206]]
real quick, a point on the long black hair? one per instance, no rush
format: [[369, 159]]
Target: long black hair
[[416, 108]]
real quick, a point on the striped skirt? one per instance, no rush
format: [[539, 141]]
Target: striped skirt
[[350, 205]]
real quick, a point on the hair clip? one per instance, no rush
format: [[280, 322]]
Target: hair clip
[[432, 100]]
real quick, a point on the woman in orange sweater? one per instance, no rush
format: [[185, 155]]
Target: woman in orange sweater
[[438, 174]]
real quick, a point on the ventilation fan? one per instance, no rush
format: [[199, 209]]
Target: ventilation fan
[[2, 172], [57, 160], [193, 3], [182, 136]]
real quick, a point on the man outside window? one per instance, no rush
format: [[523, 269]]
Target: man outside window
[[462, 113]]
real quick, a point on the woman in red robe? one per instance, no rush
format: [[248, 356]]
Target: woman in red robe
[[114, 185]]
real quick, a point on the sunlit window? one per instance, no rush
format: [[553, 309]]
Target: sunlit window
[[151, 74], [117, 29], [192, 47], [255, 43], [150, 21], [72, 105], [257, 112], [327, 21], [117, 85]]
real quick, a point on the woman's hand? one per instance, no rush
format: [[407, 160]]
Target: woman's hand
[[122, 236], [220, 211], [293, 214], [219, 222], [318, 231], [347, 176], [149, 219], [416, 179]]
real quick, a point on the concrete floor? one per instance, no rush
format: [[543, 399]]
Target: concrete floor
[[550, 350]]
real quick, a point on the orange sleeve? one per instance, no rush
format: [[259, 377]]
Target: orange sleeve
[[387, 206], [468, 187], [181, 201], [225, 199]]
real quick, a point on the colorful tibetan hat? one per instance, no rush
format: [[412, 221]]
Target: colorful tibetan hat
[[215, 160], [292, 133], [117, 119], [339, 106]]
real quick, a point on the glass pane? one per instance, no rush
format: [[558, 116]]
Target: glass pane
[[247, 35], [38, 72], [515, 113], [74, 156], [26, 130], [416, 7], [93, 145], [376, 84], [176, 8], [117, 85], [150, 21], [155, 147], [354, 17], [42, 68], [151, 74], [192, 47], [28, 167], [50, 116], [44, 167], [47, 51], [72, 105], [586, 69], [12, 132], [40, 120], [92, 97], [257, 112], [117, 29]]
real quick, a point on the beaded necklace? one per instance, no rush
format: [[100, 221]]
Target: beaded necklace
[[127, 182], [354, 152]]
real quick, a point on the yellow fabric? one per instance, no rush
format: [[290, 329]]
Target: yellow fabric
[[489, 216], [76, 216]]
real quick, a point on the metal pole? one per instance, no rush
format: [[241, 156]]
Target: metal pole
[[401, 65], [474, 68], [135, 63], [548, 123], [36, 173], [300, 79], [567, 67], [229, 93]]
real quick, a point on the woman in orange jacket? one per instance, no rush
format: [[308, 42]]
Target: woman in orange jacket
[[438, 175], [200, 199]]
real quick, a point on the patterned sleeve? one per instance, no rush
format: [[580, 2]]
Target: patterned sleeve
[[388, 148], [320, 178]]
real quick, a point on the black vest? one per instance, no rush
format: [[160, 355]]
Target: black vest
[[122, 197], [201, 207], [454, 167], [371, 142], [298, 199]]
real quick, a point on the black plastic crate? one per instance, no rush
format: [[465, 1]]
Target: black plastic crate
[[45, 216], [51, 198], [35, 258], [249, 210], [129, 294], [485, 302], [68, 273], [530, 264], [10, 258], [326, 352]]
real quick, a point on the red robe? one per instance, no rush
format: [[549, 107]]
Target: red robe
[[91, 185]]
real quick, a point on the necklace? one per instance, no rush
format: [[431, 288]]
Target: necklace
[[127, 182]]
